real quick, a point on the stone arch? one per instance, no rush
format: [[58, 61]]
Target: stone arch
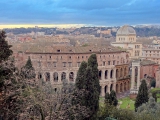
[[117, 88], [121, 72], [55, 77], [71, 76], [105, 89], [125, 71], [39, 75], [111, 74], [111, 87], [106, 74], [117, 73], [100, 75], [47, 76], [63, 76]]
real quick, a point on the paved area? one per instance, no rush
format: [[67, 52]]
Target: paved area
[[123, 94]]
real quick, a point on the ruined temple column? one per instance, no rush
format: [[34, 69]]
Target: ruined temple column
[[138, 78], [133, 77]]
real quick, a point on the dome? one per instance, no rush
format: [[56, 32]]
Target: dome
[[126, 30]]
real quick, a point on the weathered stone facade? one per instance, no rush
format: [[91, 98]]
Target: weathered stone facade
[[63, 63]]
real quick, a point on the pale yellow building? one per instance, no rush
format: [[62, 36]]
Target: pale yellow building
[[126, 38]]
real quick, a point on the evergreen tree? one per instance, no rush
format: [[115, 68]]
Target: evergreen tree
[[142, 96], [113, 98], [91, 94], [80, 80], [93, 65], [5, 50], [28, 71], [5, 53], [92, 62]]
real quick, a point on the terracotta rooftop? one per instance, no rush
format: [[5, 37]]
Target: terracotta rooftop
[[147, 62], [71, 49]]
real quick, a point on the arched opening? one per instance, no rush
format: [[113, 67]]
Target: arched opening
[[71, 76], [111, 87], [105, 89], [121, 87], [39, 76], [121, 75], [100, 75], [55, 90], [111, 74], [63, 76], [117, 89], [106, 74], [55, 76], [125, 71], [47, 75], [117, 73]]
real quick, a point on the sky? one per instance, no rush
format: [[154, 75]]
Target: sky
[[79, 12]]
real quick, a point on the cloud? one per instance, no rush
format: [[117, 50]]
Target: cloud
[[98, 12]]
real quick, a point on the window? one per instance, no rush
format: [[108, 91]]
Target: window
[[49, 64], [54, 64], [78, 64], [50, 57], [78, 57], [64, 64], [61, 57], [114, 62], [82, 56], [40, 56], [70, 64], [70, 57], [58, 50], [104, 63], [109, 62], [39, 64]]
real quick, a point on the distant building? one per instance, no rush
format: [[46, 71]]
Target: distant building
[[126, 38]]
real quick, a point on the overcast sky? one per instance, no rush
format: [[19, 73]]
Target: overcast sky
[[89, 12]]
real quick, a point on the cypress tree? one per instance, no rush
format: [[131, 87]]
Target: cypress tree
[[92, 62], [142, 96], [80, 80], [113, 98], [5, 50], [91, 94], [28, 71]]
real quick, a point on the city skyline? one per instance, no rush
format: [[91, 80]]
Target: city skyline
[[78, 13]]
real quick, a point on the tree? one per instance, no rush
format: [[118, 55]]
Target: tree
[[80, 80], [91, 94], [142, 96], [5, 53], [93, 65], [5, 50], [28, 71], [92, 62], [153, 83], [111, 98]]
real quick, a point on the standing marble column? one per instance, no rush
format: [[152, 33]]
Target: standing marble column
[[133, 77], [138, 78]]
